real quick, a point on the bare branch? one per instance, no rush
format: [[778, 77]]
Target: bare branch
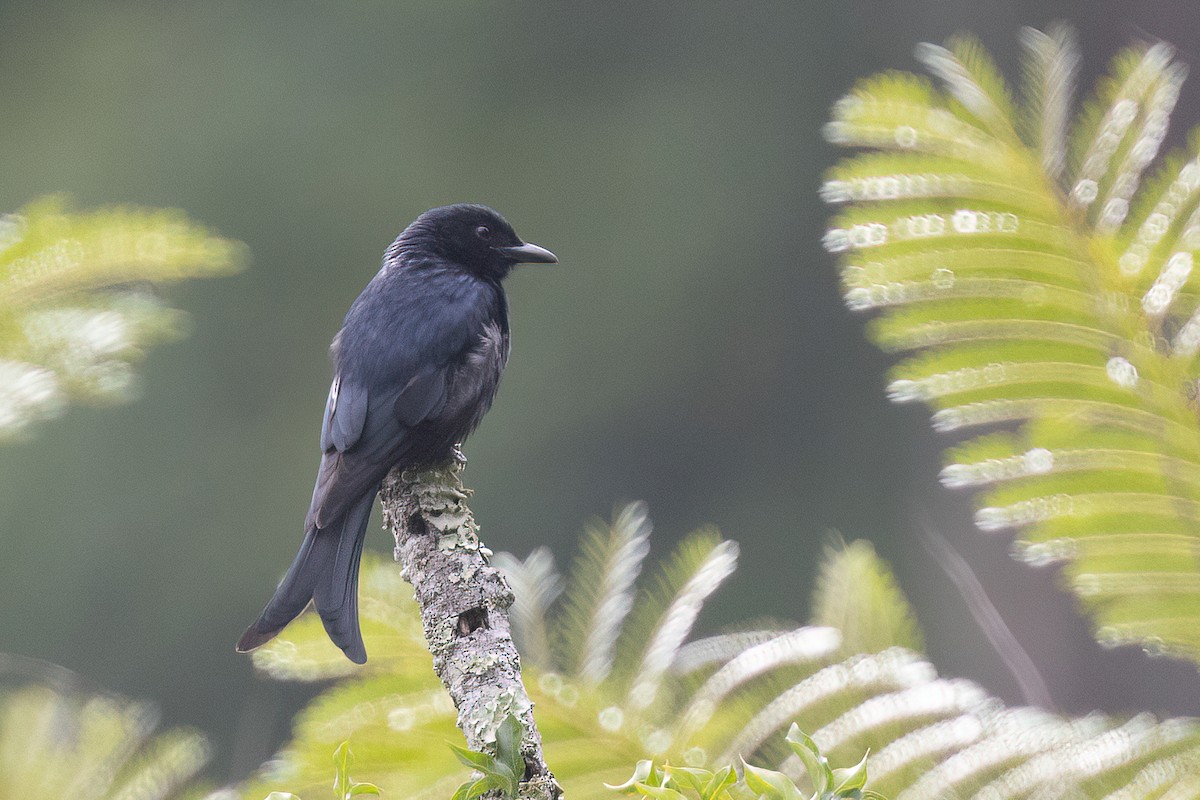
[[464, 609]]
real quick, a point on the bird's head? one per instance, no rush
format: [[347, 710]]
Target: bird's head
[[474, 237]]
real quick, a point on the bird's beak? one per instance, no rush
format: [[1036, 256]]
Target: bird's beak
[[529, 254]]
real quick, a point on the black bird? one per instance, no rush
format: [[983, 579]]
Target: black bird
[[416, 366]]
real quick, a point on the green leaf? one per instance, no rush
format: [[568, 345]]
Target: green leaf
[[1050, 61], [774, 785], [687, 778], [659, 792], [664, 617], [850, 779], [476, 788], [508, 747], [733, 693], [718, 783], [970, 76], [113, 748], [341, 765], [816, 764], [363, 789], [506, 779], [602, 592], [497, 772], [536, 584], [484, 762], [641, 772], [73, 325]]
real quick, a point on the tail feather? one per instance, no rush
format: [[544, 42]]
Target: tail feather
[[325, 571], [336, 594]]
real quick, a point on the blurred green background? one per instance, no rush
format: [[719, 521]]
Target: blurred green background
[[691, 348]]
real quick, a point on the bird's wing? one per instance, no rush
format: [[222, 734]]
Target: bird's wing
[[364, 433], [369, 417], [345, 414], [346, 409], [423, 397]]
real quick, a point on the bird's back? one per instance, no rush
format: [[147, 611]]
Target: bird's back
[[421, 352], [408, 317]]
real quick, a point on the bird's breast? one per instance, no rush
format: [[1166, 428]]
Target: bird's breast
[[475, 382], [491, 351]]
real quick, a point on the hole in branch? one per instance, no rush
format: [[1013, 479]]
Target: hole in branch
[[471, 620]]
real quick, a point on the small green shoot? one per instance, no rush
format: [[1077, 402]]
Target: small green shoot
[[502, 771], [689, 783], [344, 787]]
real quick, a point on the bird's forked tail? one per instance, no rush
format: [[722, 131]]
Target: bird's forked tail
[[325, 571]]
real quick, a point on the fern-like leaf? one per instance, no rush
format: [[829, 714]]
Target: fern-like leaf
[[699, 566], [732, 694], [75, 313], [608, 565], [536, 584], [1049, 67], [56, 741], [1054, 301], [857, 595], [968, 74]]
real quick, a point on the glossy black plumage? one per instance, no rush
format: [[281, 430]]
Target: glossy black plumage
[[416, 366]]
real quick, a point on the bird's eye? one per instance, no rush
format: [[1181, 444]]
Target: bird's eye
[[483, 232]]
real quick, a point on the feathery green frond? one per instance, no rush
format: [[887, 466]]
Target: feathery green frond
[[1120, 131], [697, 568], [857, 594], [536, 584], [731, 695], [162, 767], [602, 577], [1048, 68], [75, 312], [59, 743], [970, 76], [1053, 301], [667, 696]]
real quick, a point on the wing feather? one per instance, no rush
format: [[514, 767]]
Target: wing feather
[[345, 415], [408, 378], [422, 398]]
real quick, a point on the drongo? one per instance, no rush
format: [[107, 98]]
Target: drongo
[[416, 365]]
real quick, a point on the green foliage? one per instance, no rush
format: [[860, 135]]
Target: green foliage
[[344, 787], [1040, 296], [721, 697], [856, 594], [60, 743], [695, 783], [76, 312], [500, 772], [631, 684]]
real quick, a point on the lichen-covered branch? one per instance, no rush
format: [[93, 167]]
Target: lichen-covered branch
[[464, 609]]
